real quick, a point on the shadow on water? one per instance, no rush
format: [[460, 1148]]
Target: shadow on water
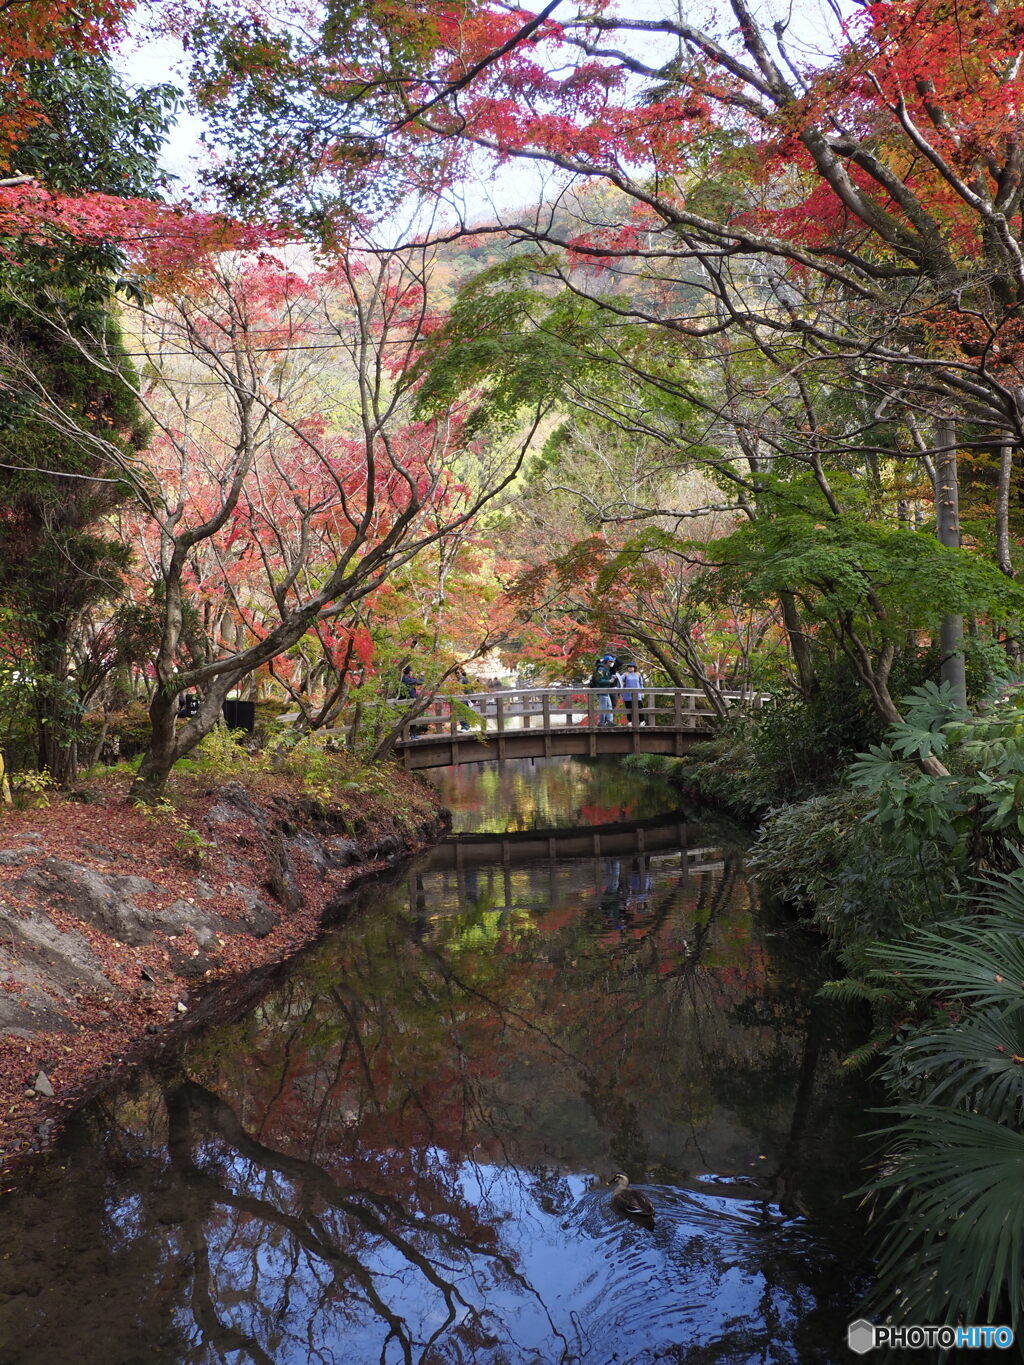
[[400, 1154]]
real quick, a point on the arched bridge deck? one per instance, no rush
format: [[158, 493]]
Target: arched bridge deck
[[547, 722]]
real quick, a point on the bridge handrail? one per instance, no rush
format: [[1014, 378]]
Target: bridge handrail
[[555, 707]]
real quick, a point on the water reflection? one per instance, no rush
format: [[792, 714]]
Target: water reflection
[[526, 794], [397, 1157]]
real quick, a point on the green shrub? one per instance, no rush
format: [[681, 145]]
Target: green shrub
[[786, 750], [899, 846], [220, 754], [724, 770], [18, 733], [828, 856]]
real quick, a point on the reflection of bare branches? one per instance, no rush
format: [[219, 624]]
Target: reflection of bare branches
[[222, 1336], [503, 1011], [308, 1231], [307, 1014], [376, 1213]]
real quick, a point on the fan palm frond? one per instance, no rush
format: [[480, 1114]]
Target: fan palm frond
[[979, 959], [957, 1243], [976, 1064]]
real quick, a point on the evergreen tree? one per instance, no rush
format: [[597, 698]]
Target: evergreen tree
[[55, 483]]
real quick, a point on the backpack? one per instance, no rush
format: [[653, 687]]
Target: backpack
[[601, 676]]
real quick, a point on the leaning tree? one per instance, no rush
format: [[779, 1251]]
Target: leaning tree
[[289, 476]]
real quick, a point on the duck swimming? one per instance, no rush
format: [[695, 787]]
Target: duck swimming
[[628, 1201]]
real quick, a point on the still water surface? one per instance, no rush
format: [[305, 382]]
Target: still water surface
[[399, 1155]]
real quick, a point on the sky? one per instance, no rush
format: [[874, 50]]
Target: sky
[[810, 29], [149, 61]]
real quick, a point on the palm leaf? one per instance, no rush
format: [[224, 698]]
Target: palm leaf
[[977, 1064], [955, 1180], [974, 959]]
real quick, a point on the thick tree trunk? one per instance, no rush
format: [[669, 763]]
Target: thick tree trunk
[[1003, 558], [161, 754], [947, 510], [170, 741], [1012, 643], [800, 644], [57, 714]]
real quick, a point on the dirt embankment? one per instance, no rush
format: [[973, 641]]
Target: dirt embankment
[[119, 925]]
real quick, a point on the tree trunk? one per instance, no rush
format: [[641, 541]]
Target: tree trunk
[[874, 674], [947, 510], [161, 753], [1012, 643], [1003, 510], [800, 644], [57, 715]]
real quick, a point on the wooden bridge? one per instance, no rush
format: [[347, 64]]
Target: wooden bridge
[[545, 722]]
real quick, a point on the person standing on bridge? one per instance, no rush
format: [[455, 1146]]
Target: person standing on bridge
[[632, 690], [602, 677], [408, 690], [464, 684]]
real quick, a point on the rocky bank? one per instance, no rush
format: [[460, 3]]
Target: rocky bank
[[121, 927]]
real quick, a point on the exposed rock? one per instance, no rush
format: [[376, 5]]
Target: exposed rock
[[154, 975], [257, 919], [281, 881], [96, 850], [385, 848], [235, 805], [304, 845], [342, 852], [107, 901], [100, 898], [22, 1020], [42, 952], [41, 1085], [191, 963], [204, 923]]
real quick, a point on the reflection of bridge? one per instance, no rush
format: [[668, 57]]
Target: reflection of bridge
[[543, 722], [603, 841], [610, 853]]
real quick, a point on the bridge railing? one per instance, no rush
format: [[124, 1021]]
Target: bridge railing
[[550, 708]]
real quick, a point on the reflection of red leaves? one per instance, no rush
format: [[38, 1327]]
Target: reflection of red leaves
[[606, 815]]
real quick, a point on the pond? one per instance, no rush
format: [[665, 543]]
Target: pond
[[402, 1153]]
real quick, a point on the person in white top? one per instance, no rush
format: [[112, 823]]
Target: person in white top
[[632, 684]]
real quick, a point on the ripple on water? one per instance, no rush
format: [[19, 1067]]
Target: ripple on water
[[611, 1289]]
